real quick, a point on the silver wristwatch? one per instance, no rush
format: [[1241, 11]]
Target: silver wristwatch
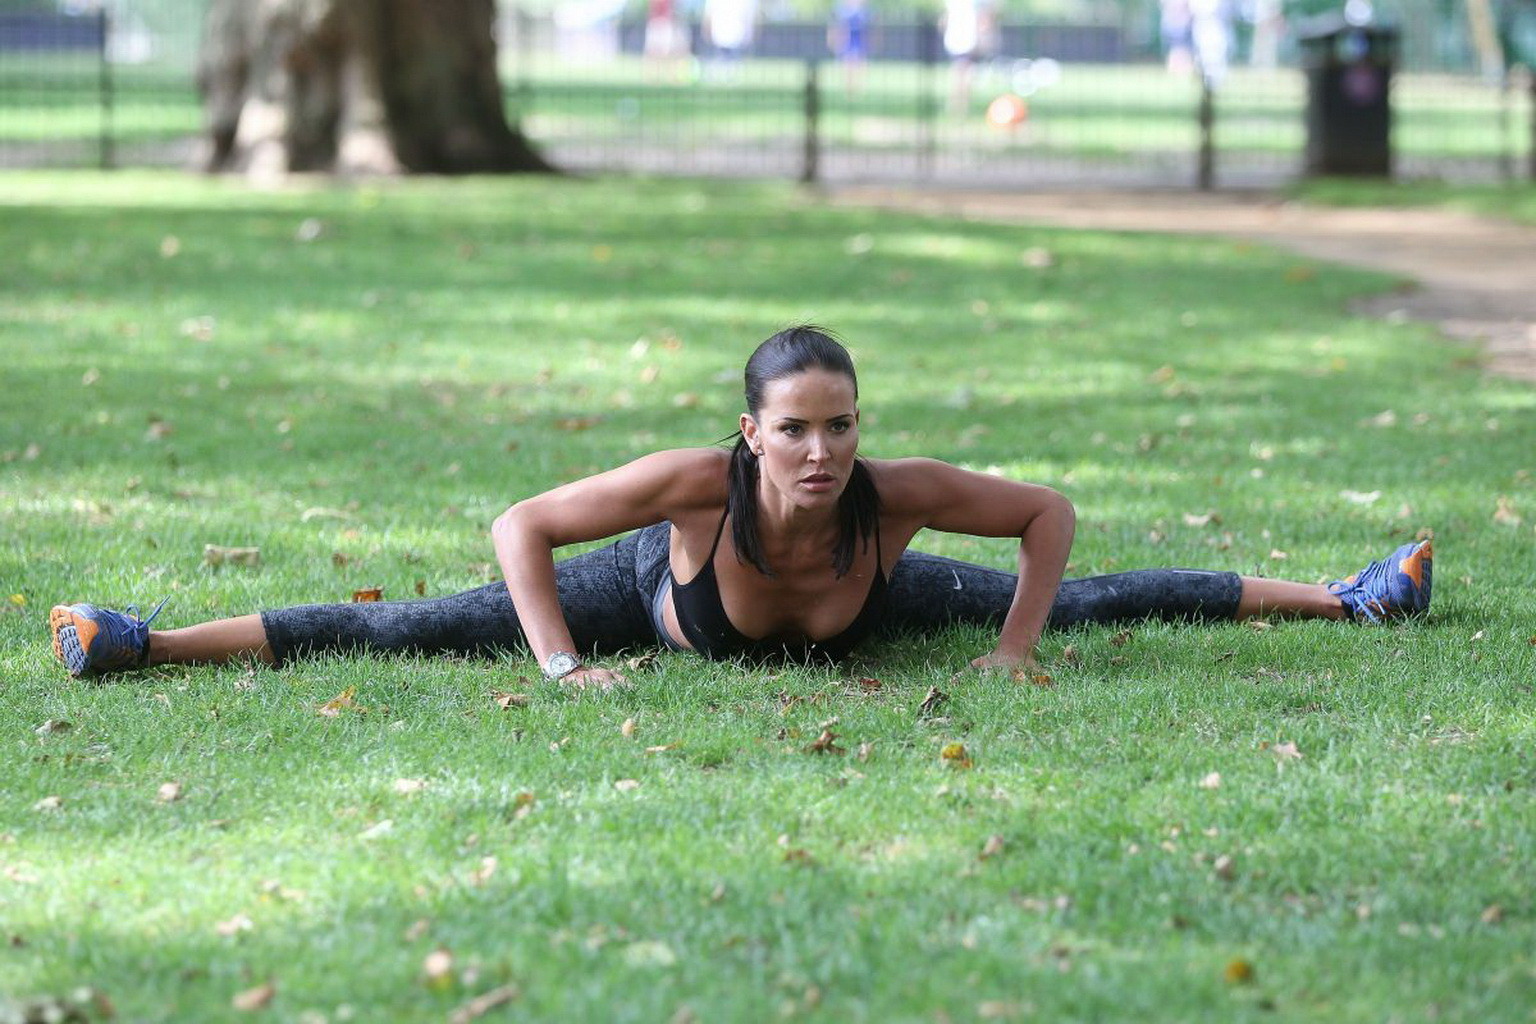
[[560, 664]]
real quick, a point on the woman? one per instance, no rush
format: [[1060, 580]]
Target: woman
[[790, 545]]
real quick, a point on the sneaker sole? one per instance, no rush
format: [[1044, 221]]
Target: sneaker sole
[[72, 638]]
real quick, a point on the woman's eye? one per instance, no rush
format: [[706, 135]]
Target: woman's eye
[[792, 429], [841, 427]]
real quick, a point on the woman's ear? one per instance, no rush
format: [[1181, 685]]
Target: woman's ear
[[749, 431]]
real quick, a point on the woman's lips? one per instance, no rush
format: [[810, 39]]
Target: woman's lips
[[819, 481]]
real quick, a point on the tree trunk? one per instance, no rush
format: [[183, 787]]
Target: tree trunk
[[356, 86]]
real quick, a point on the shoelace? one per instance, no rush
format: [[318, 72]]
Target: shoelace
[[138, 628], [1364, 595], [133, 609]]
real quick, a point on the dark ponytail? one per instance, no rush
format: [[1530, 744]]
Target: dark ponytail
[[787, 353]]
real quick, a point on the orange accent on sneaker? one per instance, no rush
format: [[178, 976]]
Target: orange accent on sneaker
[[1413, 565]]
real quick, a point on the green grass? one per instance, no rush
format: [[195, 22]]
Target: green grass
[[1512, 201], [384, 390]]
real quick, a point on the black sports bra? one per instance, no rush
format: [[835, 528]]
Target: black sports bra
[[701, 616]]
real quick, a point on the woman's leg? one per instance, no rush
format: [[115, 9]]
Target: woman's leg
[[598, 593], [211, 643], [928, 592], [1261, 597]]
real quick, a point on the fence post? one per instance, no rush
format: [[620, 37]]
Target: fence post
[[104, 86], [927, 107], [1206, 175], [809, 168]]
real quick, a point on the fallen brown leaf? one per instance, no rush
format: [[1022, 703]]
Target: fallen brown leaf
[[510, 700], [1224, 868], [1492, 914], [626, 785], [214, 555], [1238, 972], [1121, 638], [482, 1004], [628, 728], [343, 701], [406, 787], [367, 595], [234, 926], [169, 792], [662, 748], [870, 685], [252, 999], [1286, 751], [49, 803], [934, 698], [437, 968], [956, 756], [53, 727], [1211, 781], [992, 847], [826, 743]]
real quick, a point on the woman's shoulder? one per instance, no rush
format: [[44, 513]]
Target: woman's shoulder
[[908, 484], [695, 476]]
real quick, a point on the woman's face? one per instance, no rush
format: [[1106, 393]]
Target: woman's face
[[806, 435]]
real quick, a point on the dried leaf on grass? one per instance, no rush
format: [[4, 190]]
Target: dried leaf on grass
[[53, 727], [234, 926], [1238, 972], [956, 756], [437, 968], [1211, 781], [505, 700], [343, 701], [992, 847], [252, 999], [168, 792], [628, 728], [368, 595], [932, 700], [483, 1004], [626, 785], [826, 743], [216, 555], [406, 787], [49, 803]]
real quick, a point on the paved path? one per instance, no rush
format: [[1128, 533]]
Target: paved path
[[1473, 276]]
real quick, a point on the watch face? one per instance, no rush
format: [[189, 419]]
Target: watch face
[[561, 663]]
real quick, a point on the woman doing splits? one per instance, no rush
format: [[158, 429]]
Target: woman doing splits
[[787, 545]]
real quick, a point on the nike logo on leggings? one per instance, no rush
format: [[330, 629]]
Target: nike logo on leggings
[[957, 578]]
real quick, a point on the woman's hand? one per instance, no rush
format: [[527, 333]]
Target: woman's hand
[[592, 677], [998, 660]]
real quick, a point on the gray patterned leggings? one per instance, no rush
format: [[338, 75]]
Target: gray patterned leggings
[[606, 594]]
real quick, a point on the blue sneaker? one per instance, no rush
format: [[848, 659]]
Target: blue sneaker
[[1394, 587], [94, 641]]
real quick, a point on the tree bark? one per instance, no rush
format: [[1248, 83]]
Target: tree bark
[[356, 86]]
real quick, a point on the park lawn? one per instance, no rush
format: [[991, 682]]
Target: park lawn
[[1515, 201], [1300, 822]]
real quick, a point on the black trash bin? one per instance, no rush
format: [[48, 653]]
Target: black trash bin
[[1349, 86]]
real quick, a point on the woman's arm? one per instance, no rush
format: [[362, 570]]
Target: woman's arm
[[944, 497], [643, 492]]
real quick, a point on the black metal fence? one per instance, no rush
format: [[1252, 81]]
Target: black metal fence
[[113, 86]]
